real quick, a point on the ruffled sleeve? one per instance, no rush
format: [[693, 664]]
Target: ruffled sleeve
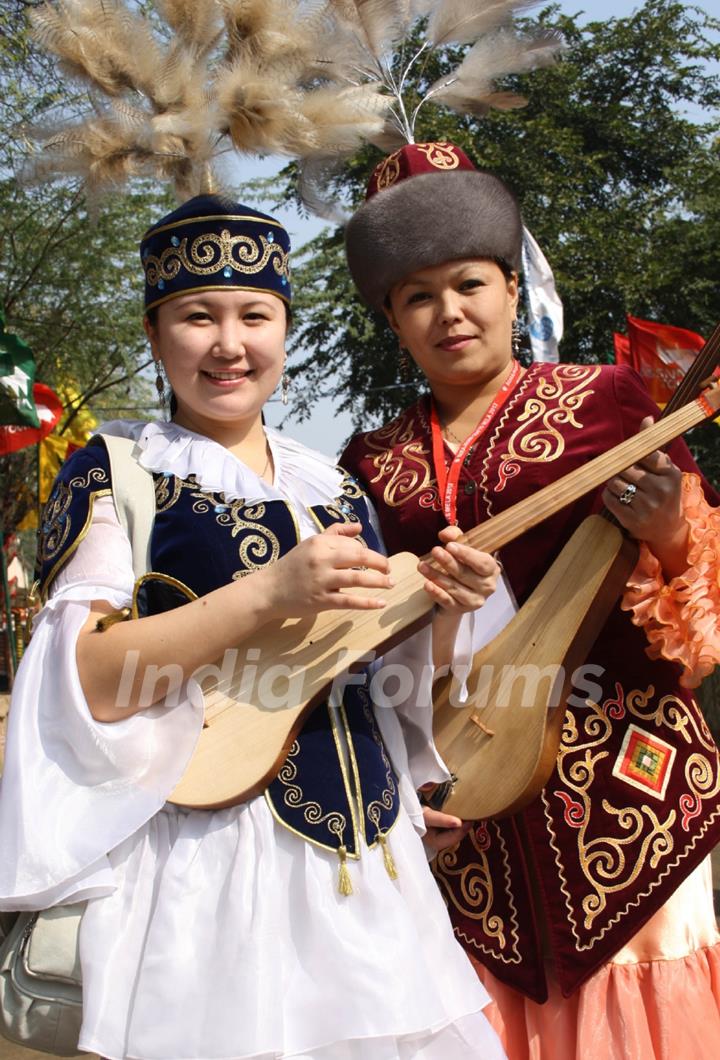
[[73, 787], [681, 617]]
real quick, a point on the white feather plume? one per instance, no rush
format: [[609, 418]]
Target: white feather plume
[[315, 177], [463, 21], [311, 79], [367, 41], [490, 58]]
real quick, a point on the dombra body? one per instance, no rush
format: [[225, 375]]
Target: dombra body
[[243, 745]]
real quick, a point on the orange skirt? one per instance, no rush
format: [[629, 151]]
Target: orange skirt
[[658, 999]]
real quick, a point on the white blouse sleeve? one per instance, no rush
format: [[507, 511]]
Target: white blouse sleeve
[[73, 788]]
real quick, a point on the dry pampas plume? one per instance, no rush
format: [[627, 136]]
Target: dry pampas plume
[[169, 92], [371, 44], [171, 89], [381, 42]]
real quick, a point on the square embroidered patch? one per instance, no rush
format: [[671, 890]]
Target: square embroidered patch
[[644, 761]]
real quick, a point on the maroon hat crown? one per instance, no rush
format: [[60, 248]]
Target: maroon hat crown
[[447, 211], [413, 159]]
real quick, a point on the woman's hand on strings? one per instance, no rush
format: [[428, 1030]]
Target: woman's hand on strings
[[460, 578], [315, 575], [651, 506]]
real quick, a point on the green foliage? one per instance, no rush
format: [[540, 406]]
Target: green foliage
[[70, 277], [616, 163], [71, 283], [30, 83]]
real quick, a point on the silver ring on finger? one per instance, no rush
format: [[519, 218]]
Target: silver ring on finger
[[626, 497]]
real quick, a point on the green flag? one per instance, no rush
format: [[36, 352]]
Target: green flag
[[17, 371]]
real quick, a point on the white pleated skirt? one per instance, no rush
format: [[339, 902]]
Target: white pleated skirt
[[227, 939]]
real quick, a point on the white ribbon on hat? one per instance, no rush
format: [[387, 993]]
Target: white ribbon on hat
[[544, 308]]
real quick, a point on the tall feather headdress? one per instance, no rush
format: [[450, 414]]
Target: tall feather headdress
[[170, 92]]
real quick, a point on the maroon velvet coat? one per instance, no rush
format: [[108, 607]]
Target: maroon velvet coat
[[633, 804]]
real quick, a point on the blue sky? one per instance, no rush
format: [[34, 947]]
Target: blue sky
[[327, 430]]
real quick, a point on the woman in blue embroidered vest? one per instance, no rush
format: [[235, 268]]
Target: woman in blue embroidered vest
[[590, 913], [224, 934]]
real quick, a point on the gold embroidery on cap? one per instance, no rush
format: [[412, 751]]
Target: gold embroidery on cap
[[389, 171], [442, 155], [210, 253]]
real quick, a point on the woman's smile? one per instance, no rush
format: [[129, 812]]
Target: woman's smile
[[455, 342], [226, 380]]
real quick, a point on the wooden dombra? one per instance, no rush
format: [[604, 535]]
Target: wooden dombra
[[501, 755]]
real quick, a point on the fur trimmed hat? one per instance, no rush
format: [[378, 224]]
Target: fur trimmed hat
[[449, 210]]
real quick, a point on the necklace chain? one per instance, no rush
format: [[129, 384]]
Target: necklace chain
[[451, 434], [267, 460]]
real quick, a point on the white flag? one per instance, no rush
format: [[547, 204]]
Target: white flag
[[544, 308]]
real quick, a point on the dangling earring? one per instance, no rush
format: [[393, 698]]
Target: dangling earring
[[403, 365], [160, 386], [284, 388], [515, 337]]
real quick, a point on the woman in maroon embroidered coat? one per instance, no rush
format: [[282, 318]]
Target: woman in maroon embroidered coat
[[589, 915]]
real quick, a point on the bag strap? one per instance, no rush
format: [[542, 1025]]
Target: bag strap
[[134, 497]]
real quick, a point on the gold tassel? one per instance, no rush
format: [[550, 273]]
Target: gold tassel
[[344, 882], [387, 856]]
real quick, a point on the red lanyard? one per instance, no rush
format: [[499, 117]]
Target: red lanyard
[[447, 480]]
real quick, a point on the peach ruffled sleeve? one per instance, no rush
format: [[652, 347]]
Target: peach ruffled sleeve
[[681, 618]]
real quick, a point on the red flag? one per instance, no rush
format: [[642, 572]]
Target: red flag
[[622, 349], [49, 410], [662, 354]]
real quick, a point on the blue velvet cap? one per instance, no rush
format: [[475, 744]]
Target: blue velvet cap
[[208, 244]]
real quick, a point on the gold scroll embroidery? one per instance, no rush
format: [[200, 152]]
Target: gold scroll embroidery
[[210, 253], [56, 525], [612, 863], [294, 797], [389, 171], [539, 436], [258, 546], [441, 154], [408, 472], [477, 894], [387, 797]]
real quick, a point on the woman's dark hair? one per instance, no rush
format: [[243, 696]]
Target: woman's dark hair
[[152, 317]]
